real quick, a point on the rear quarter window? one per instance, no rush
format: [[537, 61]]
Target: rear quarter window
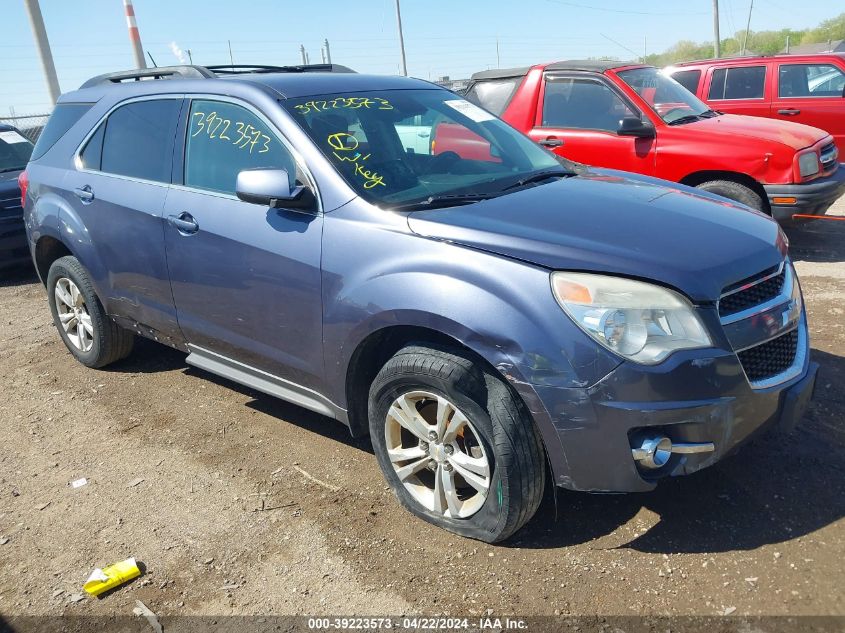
[[64, 117], [493, 95]]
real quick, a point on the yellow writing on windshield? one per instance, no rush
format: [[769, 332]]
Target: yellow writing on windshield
[[248, 137], [352, 103], [345, 148]]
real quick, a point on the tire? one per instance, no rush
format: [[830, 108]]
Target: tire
[[738, 192], [91, 336], [491, 423]]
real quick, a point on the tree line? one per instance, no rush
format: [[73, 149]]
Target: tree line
[[759, 42]]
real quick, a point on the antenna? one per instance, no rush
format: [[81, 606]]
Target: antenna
[[152, 60]]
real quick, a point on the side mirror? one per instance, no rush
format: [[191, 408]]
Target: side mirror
[[632, 126], [271, 188]]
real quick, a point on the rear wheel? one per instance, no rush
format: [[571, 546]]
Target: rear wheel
[[87, 331], [736, 191], [455, 444]]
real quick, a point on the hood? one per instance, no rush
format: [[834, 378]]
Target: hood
[[794, 135], [610, 222]]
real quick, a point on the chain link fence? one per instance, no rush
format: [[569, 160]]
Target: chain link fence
[[30, 125]]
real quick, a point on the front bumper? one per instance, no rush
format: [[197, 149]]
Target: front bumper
[[811, 198], [693, 397]]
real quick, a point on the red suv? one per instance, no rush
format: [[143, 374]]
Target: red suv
[[635, 118], [807, 89]]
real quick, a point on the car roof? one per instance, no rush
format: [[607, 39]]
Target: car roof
[[757, 58], [193, 79], [588, 65]]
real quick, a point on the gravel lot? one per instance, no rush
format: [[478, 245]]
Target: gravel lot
[[202, 481]]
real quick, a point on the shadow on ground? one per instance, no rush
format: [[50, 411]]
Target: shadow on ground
[[775, 489], [821, 241], [18, 276]]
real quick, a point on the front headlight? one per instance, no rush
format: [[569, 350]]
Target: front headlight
[[640, 321], [808, 164]]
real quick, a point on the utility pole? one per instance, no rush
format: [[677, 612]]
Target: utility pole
[[787, 45], [231, 59], [401, 39], [498, 62], [328, 52], [134, 36], [302, 54], [36, 21], [717, 41], [747, 28]]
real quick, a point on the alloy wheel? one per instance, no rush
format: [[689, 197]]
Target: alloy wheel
[[73, 314], [437, 454]]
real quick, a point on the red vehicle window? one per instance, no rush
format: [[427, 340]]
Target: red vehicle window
[[810, 80], [688, 79], [586, 104], [743, 82]]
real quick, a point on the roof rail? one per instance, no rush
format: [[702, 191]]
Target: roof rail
[[162, 72], [240, 69]]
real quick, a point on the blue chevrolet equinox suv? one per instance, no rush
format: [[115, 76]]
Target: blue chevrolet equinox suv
[[490, 320]]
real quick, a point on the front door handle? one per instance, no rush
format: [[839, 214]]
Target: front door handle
[[184, 223], [84, 193], [550, 141], [789, 112]]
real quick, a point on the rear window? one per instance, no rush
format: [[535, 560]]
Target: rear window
[[64, 116], [14, 150], [688, 79], [493, 95], [138, 140], [745, 82]]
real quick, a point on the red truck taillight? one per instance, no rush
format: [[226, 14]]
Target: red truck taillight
[[23, 183]]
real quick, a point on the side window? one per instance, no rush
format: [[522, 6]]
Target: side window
[[138, 140], [415, 132], [744, 82], [92, 155], [688, 79], [810, 80], [585, 104], [493, 95], [224, 139]]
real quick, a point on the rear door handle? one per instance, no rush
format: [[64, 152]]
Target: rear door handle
[[789, 112], [84, 193], [184, 223], [551, 141]]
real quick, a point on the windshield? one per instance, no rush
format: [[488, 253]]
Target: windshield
[[669, 99], [397, 147], [15, 151]]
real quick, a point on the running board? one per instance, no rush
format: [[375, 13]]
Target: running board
[[264, 382]]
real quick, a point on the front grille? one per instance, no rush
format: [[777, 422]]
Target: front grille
[[770, 359], [754, 294], [829, 157]]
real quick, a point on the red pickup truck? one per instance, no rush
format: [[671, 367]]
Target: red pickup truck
[[632, 117], [807, 89]]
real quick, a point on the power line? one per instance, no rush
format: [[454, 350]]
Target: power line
[[623, 11]]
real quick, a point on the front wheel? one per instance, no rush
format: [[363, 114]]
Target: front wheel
[[87, 331], [456, 445], [736, 191]]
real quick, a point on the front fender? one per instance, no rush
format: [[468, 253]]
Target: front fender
[[377, 274]]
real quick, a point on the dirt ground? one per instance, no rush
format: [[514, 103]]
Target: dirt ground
[[202, 481]]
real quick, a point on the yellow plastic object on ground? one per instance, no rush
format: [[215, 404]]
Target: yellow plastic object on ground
[[101, 580]]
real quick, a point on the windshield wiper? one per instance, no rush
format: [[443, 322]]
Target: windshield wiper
[[709, 114], [5, 169], [539, 176], [689, 118], [446, 200]]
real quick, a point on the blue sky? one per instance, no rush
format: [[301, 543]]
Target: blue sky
[[442, 37]]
